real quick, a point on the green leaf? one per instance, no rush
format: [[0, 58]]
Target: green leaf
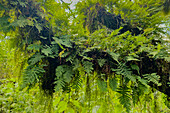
[[101, 62], [35, 58], [143, 81], [46, 51], [113, 83], [38, 26], [35, 47], [4, 20], [152, 78], [115, 56], [59, 84], [64, 75], [131, 58], [64, 40], [68, 75], [62, 106], [102, 85], [135, 67], [23, 4], [125, 97], [125, 71], [115, 32], [43, 37], [32, 75], [21, 22], [88, 66]]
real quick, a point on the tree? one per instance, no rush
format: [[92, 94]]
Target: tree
[[114, 44]]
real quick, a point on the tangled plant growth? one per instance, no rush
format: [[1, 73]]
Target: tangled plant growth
[[100, 48]]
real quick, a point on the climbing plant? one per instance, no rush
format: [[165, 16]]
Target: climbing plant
[[102, 47]]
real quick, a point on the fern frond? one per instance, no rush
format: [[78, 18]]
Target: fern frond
[[101, 62], [35, 58], [64, 75], [88, 66], [125, 71], [125, 97], [31, 76], [135, 95], [77, 82], [35, 47], [152, 78], [113, 83], [59, 84], [102, 85]]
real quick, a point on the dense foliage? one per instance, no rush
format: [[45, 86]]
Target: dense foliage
[[101, 56]]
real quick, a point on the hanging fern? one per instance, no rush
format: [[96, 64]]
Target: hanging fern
[[32, 75], [88, 66], [118, 48], [35, 59], [113, 84], [152, 78], [102, 85], [64, 75], [125, 71], [125, 97]]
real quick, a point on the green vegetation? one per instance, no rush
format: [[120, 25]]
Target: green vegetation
[[103, 56]]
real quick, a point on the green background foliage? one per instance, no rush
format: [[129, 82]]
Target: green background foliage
[[103, 56]]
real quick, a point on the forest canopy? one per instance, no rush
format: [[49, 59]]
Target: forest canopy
[[101, 51]]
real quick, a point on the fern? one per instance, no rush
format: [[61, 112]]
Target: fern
[[143, 81], [88, 66], [63, 40], [59, 84], [77, 82], [152, 78], [64, 75], [55, 49], [135, 67], [115, 56], [125, 71], [135, 95], [101, 62], [102, 85], [35, 58], [125, 97], [47, 50], [35, 47], [113, 83], [32, 75]]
